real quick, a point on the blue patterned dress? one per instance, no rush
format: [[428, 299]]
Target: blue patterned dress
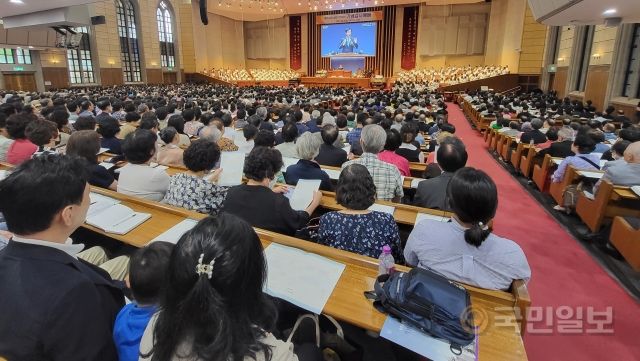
[[364, 234]]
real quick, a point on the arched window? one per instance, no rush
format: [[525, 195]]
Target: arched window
[[79, 59], [129, 49], [165, 33]]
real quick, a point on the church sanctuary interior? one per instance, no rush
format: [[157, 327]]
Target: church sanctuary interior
[[319, 180]]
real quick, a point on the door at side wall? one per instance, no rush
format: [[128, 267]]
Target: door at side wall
[[20, 81]]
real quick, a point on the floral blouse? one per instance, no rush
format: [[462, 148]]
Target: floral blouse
[[195, 193], [364, 234]]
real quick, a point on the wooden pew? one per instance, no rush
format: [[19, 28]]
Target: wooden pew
[[626, 239], [347, 302], [608, 202], [506, 147], [494, 141], [417, 169], [403, 214], [542, 172], [488, 135], [571, 176], [406, 181], [526, 160], [517, 153]]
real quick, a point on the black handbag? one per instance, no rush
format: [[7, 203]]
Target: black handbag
[[429, 302]]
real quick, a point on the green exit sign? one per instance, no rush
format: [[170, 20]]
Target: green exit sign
[[18, 68]]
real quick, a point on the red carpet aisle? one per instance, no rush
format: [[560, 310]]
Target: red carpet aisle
[[563, 273]]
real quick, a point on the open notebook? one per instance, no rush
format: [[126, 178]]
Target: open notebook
[[117, 219]]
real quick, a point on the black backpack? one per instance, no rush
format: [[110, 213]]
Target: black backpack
[[428, 301]]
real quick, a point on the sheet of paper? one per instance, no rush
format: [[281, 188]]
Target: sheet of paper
[[4, 174], [103, 150], [422, 216], [423, 344], [415, 181], [98, 203], [382, 208], [333, 173], [232, 164], [303, 193], [636, 190], [594, 175], [556, 161], [304, 279], [347, 148], [174, 233]]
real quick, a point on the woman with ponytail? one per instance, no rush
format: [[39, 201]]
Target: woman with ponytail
[[213, 307], [465, 249]]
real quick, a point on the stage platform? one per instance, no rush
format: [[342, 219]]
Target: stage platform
[[310, 81], [262, 82]]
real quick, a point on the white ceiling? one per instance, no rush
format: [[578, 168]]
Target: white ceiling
[[248, 10], [8, 8], [583, 12], [255, 10]]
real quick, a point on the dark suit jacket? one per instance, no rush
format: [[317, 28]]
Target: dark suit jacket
[[537, 136], [432, 193], [55, 307], [331, 156], [558, 149], [306, 169]]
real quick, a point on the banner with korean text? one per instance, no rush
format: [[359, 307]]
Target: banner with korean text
[[349, 17], [409, 37], [295, 42]]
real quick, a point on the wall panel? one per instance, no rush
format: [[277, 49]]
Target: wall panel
[[560, 81], [59, 77], [595, 90]]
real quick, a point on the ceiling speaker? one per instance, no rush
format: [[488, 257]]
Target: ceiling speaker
[[611, 22]]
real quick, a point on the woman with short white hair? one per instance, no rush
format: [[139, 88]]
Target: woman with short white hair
[[308, 147]]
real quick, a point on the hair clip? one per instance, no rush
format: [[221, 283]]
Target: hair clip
[[202, 268], [483, 226]]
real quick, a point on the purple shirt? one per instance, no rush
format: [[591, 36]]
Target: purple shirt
[[578, 162]]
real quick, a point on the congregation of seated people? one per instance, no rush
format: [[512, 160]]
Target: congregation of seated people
[[369, 137]]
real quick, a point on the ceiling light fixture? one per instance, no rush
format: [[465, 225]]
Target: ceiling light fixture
[[609, 12], [16, 2]]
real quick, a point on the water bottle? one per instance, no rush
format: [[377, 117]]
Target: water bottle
[[386, 263]]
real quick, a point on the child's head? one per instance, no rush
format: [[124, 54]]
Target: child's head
[[609, 128], [147, 269]]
